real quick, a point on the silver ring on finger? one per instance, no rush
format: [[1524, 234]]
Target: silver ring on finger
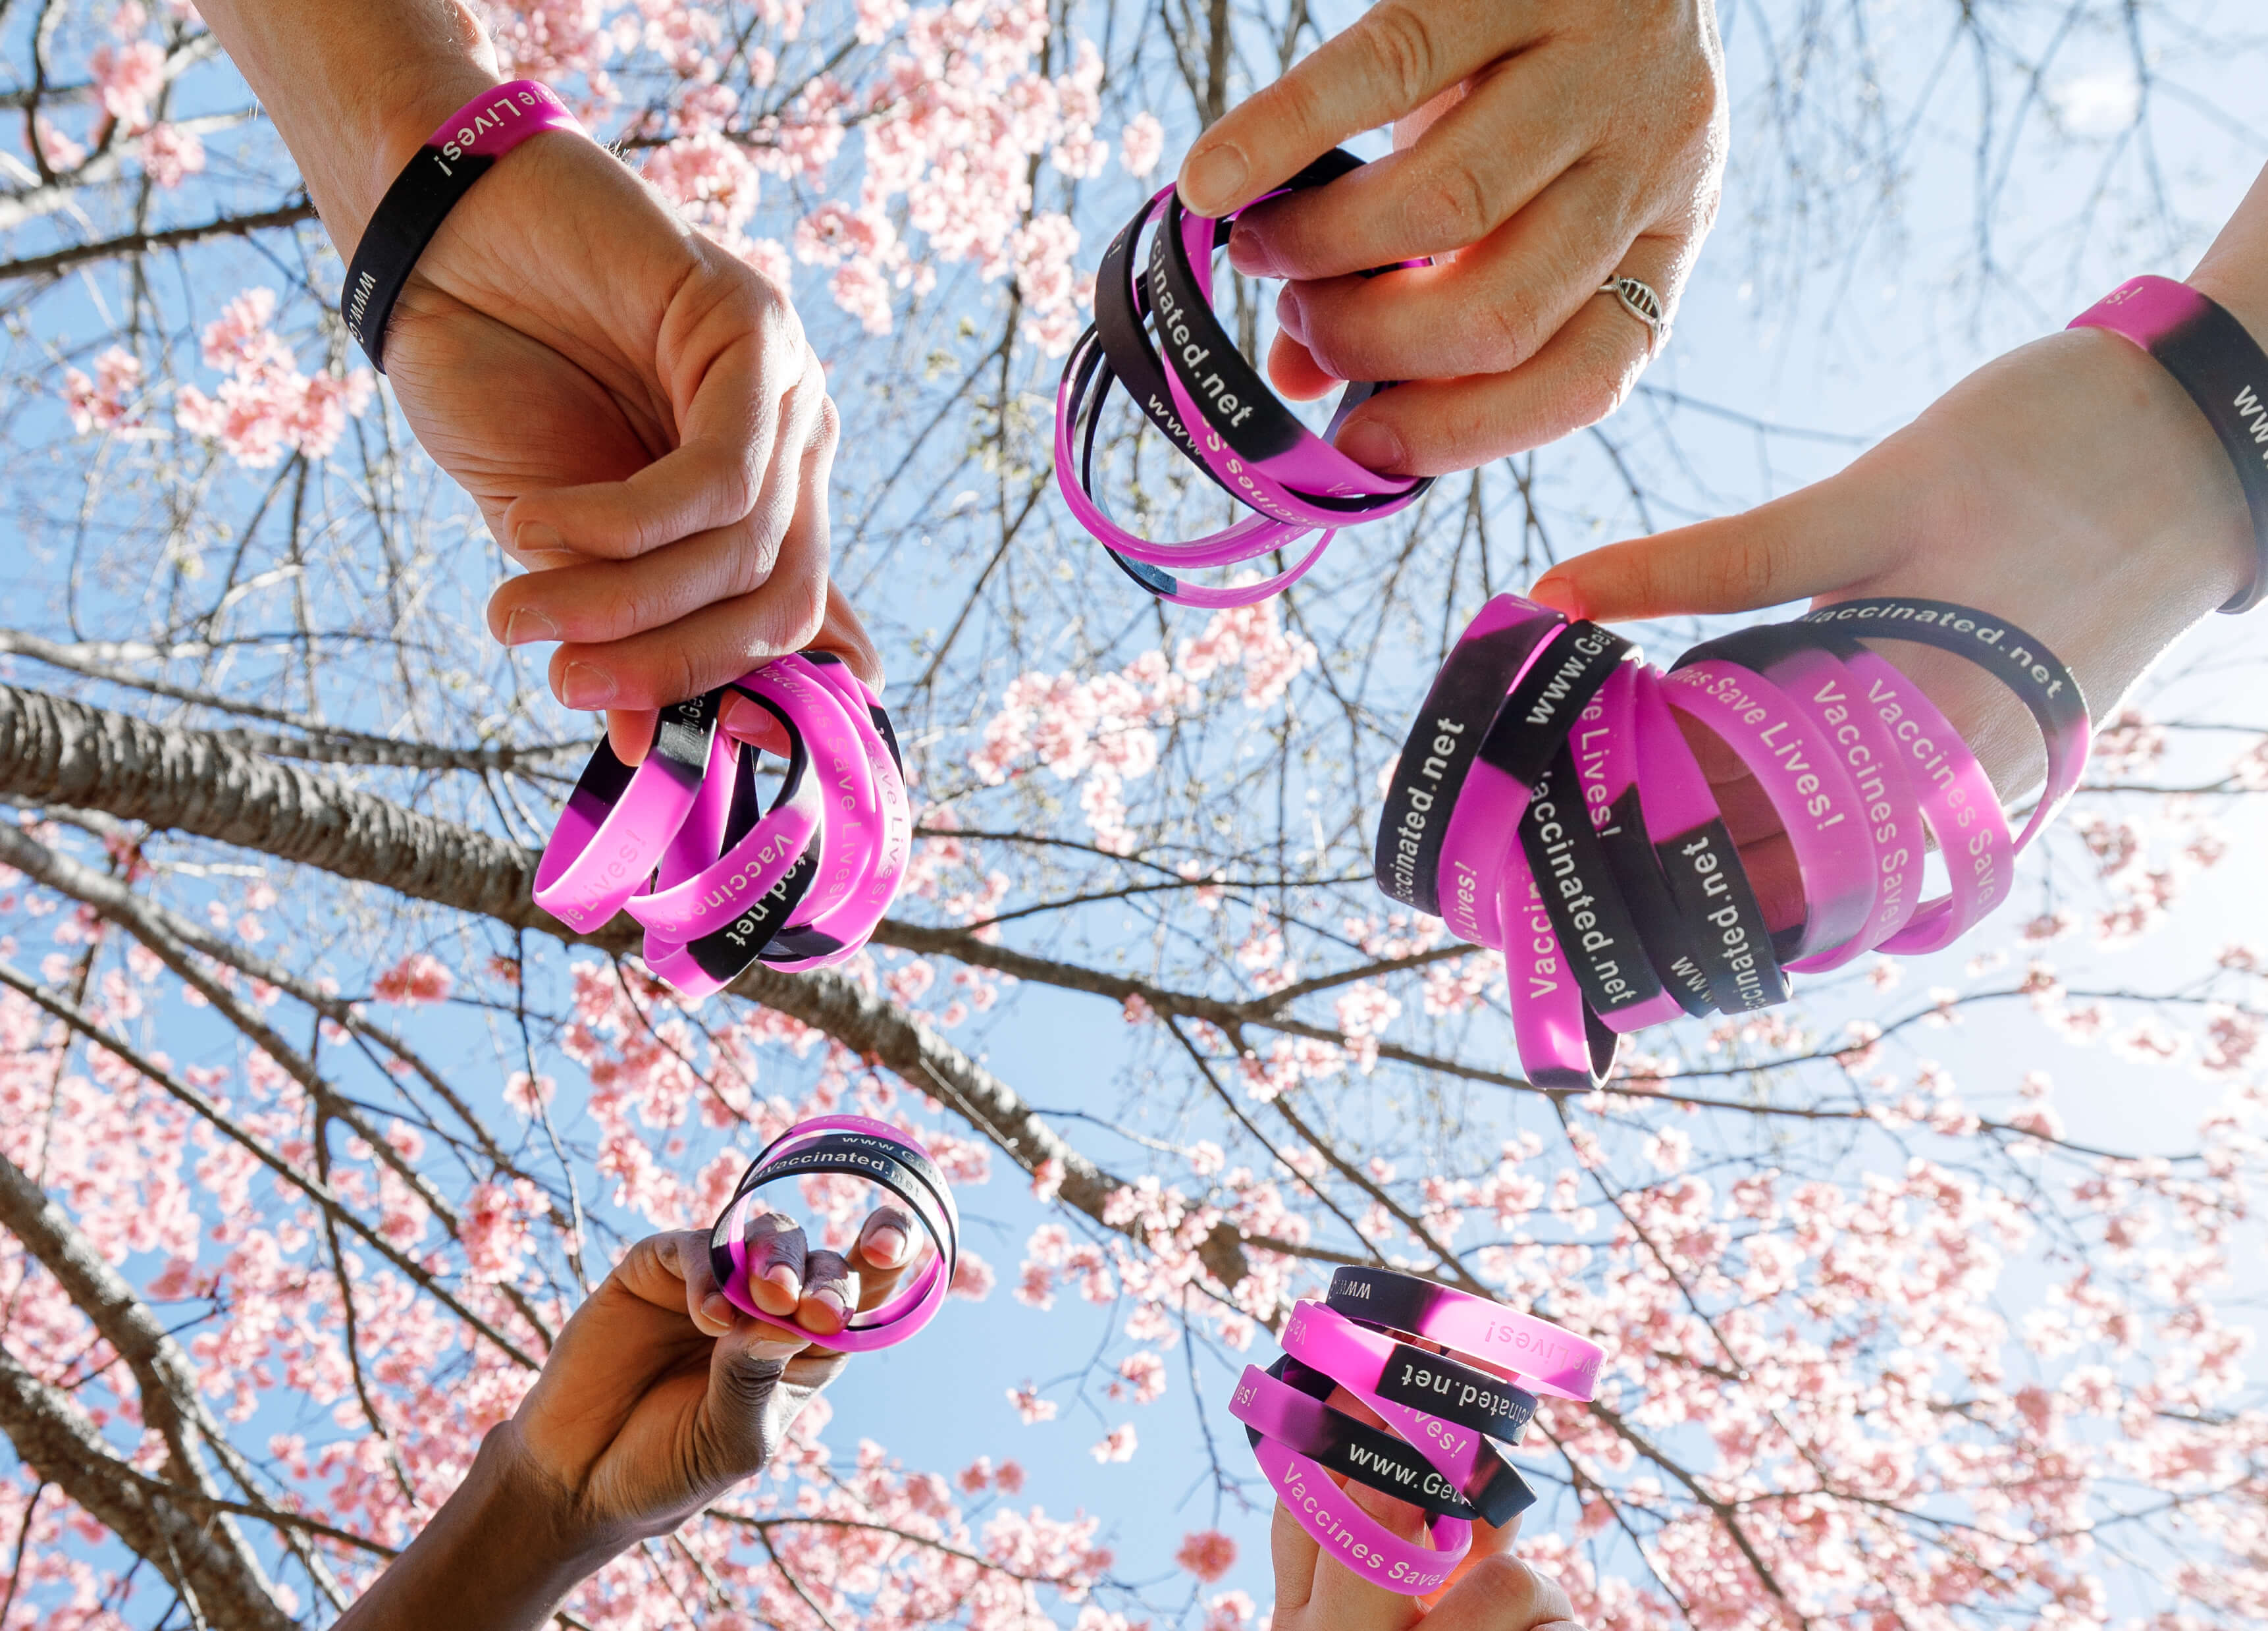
[[1639, 299]]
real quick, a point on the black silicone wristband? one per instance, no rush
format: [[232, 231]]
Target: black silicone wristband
[[1597, 934]]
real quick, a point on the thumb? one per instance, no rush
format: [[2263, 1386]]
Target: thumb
[[750, 1406], [1825, 537]]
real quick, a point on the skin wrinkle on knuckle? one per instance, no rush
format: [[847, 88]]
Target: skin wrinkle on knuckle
[[1400, 44], [1449, 207]]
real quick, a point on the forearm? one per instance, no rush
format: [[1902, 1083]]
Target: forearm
[[354, 85], [500, 1555], [2235, 271]]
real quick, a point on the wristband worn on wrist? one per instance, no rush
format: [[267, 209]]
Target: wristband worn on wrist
[[2217, 361], [465, 147]]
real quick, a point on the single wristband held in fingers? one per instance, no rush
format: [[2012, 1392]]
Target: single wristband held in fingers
[[849, 1147], [464, 149], [620, 820], [2214, 358], [1351, 1537]]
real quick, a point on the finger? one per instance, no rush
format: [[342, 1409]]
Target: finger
[[1293, 1554], [598, 601], [1477, 164], [1815, 540], [740, 1421], [1398, 56], [845, 635], [629, 733], [705, 1299], [1495, 306], [1294, 370], [890, 1246], [718, 643], [1582, 374], [1500, 1593], [737, 341], [777, 1262], [1347, 1601], [830, 1291]]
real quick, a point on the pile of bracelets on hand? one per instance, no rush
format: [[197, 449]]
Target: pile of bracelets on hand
[[1155, 334], [1446, 1414], [851, 1147], [686, 845], [1547, 803]]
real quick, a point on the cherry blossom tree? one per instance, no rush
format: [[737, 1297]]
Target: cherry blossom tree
[[1907, 1334]]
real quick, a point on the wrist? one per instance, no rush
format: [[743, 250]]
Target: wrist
[[501, 1554]]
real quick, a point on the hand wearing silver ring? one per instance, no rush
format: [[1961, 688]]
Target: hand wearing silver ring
[[1543, 148]]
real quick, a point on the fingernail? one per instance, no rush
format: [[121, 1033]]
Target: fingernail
[[1250, 252], [1372, 445], [715, 1307], [887, 1247], [1291, 314], [1211, 177], [1558, 594], [533, 537], [585, 685], [527, 624], [781, 1275], [833, 1299]]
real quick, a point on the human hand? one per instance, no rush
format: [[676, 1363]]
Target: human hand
[[1490, 1591], [659, 1395], [1543, 145], [643, 425], [2071, 487]]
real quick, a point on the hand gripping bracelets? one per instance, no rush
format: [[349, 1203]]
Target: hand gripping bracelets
[[1377, 1337], [1155, 335], [1546, 802], [855, 1146], [685, 842]]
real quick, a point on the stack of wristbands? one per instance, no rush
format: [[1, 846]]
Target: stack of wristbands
[[1447, 1414], [1547, 803], [851, 1147], [1155, 335], [686, 844]]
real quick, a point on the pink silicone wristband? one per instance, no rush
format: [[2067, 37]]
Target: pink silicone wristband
[[1550, 1358], [855, 919], [1957, 799], [1351, 1537], [1817, 806], [1603, 743], [599, 854], [1357, 1359]]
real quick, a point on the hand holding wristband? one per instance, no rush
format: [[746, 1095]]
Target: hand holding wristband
[[853, 1147], [686, 842], [1546, 802], [2217, 361], [464, 149], [1155, 334]]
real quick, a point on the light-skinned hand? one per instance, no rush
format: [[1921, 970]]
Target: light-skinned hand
[[1542, 146]]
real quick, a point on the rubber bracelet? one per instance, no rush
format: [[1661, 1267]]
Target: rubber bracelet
[[1486, 814], [1724, 923], [704, 966], [880, 1156], [462, 149], [759, 856], [897, 1142], [1605, 746], [2214, 358], [1446, 1408], [1351, 1537], [850, 925], [2047, 690], [853, 822], [1266, 1404], [1594, 929], [1291, 1403], [1816, 804], [1443, 744], [1563, 1045], [1552, 1359], [1793, 658], [1957, 802], [618, 821]]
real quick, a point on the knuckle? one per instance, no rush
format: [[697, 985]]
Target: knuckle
[[1510, 331], [1503, 1582], [1403, 50], [1450, 207]]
